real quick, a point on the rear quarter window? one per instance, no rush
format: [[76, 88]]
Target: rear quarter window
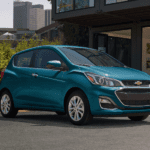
[[23, 60]]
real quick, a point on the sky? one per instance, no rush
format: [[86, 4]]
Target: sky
[[6, 11]]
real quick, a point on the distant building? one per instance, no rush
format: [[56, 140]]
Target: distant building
[[48, 17], [4, 30], [38, 6], [28, 16], [7, 36], [21, 14], [36, 20], [24, 32]]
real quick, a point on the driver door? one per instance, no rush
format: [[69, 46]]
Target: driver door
[[47, 83]]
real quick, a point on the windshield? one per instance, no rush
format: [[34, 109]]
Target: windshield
[[90, 57]]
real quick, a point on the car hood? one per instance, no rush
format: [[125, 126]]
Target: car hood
[[118, 73]]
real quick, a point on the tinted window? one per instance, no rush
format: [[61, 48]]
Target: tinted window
[[81, 56], [54, 34], [23, 60], [45, 55]]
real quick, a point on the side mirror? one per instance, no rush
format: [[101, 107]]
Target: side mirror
[[54, 63]]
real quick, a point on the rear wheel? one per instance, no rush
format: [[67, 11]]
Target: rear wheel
[[78, 108], [138, 118], [7, 105]]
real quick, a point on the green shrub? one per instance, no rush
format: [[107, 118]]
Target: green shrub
[[6, 52]]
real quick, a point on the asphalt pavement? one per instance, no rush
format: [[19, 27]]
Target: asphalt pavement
[[41, 130]]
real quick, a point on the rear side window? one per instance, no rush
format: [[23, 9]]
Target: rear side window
[[23, 60]]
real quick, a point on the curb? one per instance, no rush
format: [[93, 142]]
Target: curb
[[23, 111]]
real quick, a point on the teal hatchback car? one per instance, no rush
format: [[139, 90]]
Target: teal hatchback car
[[77, 81]]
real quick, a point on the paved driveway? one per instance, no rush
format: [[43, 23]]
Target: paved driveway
[[40, 130]]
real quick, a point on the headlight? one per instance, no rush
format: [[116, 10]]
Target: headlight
[[103, 81]]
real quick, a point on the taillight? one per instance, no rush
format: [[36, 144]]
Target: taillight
[[2, 73]]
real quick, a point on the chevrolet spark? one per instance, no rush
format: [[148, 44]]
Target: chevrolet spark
[[77, 81]]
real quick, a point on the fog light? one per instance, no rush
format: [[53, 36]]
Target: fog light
[[106, 103]]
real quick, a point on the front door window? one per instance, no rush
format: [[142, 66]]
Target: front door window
[[45, 55]]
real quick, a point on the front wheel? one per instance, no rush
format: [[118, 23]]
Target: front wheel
[[138, 118], [7, 106], [78, 108]]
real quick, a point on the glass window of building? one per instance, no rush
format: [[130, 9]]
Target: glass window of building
[[91, 3], [115, 1], [79, 4], [64, 5], [116, 44], [146, 49]]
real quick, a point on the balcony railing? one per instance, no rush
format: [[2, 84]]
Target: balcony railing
[[116, 1], [68, 5]]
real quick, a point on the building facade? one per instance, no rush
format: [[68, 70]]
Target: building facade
[[51, 32], [48, 17], [36, 20], [38, 6], [21, 14], [121, 28], [4, 30], [24, 32], [28, 16]]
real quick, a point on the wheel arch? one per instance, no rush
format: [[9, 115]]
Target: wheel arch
[[4, 89], [69, 92]]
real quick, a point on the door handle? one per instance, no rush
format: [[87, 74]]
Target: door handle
[[34, 74]]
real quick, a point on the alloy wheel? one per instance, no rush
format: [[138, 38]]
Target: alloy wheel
[[5, 104], [76, 108]]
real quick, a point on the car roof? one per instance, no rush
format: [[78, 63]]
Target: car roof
[[48, 46]]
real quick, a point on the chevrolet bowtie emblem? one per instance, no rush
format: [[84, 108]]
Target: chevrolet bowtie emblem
[[138, 83]]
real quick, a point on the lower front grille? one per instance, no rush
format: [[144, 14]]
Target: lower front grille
[[136, 102], [134, 97]]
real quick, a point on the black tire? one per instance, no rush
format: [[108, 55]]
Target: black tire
[[138, 118], [60, 113], [12, 112], [87, 117]]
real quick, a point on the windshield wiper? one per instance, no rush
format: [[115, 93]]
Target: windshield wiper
[[95, 55], [84, 65]]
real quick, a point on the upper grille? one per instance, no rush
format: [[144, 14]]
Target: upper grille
[[134, 96], [145, 83]]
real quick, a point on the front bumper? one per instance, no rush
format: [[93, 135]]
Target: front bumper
[[119, 113], [121, 109]]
